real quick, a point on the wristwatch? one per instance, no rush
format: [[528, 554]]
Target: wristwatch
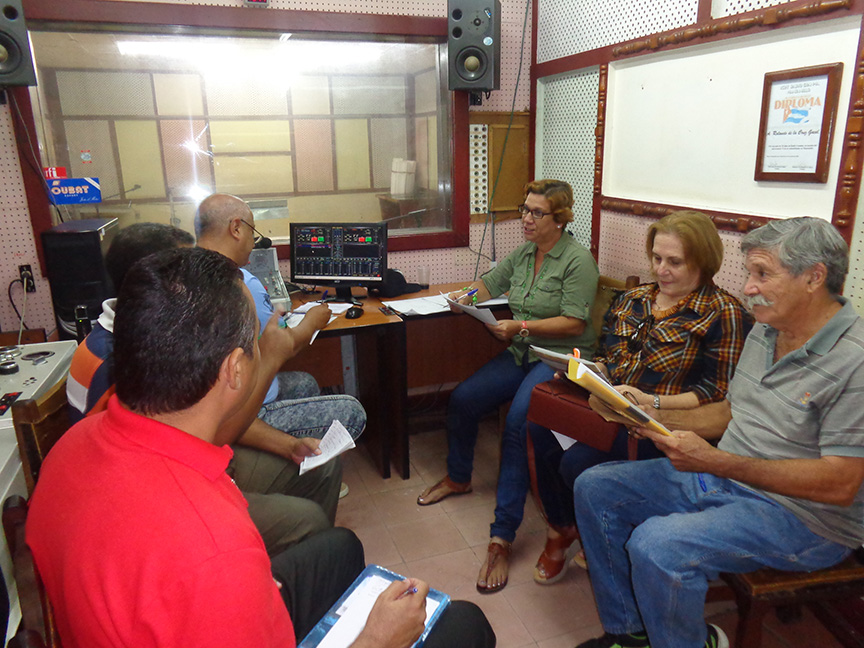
[[523, 332], [656, 401]]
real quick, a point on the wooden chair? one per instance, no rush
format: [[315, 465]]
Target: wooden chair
[[39, 423], [758, 592], [37, 628], [607, 290]]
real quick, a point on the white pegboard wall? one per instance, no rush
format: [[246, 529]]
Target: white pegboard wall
[[512, 49], [478, 168], [854, 288], [622, 252], [723, 8], [17, 246], [567, 27], [566, 119]]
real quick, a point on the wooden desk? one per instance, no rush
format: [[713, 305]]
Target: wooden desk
[[447, 347], [367, 356], [389, 357]]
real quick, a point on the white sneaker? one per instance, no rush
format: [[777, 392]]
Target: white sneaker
[[344, 491]]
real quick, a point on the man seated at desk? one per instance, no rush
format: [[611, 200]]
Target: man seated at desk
[[783, 487], [285, 506], [293, 404], [139, 534]]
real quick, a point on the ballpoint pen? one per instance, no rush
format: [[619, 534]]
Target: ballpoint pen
[[408, 592], [324, 296]]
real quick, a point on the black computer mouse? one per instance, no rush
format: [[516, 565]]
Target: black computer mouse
[[354, 312]]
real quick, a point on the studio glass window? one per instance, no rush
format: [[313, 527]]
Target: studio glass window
[[304, 127]]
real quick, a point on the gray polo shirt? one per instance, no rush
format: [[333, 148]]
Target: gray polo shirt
[[807, 405]]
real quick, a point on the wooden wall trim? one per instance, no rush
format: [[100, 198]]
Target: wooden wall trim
[[852, 156], [655, 211], [769, 17], [703, 11], [165, 14], [599, 140], [532, 95], [706, 29], [35, 187]]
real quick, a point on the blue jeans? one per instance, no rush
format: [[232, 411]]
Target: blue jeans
[[299, 410], [655, 536], [557, 469], [496, 382]]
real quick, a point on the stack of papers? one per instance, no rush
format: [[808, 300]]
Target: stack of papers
[[434, 304], [419, 305], [580, 373]]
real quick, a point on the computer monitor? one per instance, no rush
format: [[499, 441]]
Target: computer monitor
[[340, 255]]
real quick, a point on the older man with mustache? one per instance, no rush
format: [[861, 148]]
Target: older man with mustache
[[783, 488]]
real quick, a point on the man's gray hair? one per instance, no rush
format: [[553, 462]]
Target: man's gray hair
[[802, 242], [215, 211]]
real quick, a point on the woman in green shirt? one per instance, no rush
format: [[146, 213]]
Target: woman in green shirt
[[551, 280]]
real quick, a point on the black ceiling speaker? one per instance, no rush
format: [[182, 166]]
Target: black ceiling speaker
[[16, 63], [474, 44]]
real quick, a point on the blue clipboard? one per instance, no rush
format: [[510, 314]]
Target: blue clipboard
[[335, 613]]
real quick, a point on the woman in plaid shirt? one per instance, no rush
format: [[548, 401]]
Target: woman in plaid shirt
[[672, 344]]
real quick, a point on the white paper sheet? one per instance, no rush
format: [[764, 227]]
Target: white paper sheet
[[564, 441], [482, 314], [337, 308], [335, 442], [294, 318]]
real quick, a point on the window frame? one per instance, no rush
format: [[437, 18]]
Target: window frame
[[176, 18]]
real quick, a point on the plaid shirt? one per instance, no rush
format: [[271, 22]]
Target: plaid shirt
[[694, 349]]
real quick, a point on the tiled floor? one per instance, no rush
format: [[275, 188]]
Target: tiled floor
[[445, 544]]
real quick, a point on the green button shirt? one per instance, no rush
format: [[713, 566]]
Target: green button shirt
[[565, 285]]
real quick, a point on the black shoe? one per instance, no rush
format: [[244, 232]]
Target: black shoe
[[638, 640], [716, 637]]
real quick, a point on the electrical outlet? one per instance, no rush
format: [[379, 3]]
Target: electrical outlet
[[26, 273]]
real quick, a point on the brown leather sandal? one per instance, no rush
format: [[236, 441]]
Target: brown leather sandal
[[442, 490], [497, 559], [551, 570], [580, 560]]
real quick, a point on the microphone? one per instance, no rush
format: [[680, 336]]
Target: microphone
[[263, 243]]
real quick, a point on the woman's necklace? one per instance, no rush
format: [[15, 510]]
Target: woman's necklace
[[660, 313]]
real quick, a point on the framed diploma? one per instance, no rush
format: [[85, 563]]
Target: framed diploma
[[799, 108]]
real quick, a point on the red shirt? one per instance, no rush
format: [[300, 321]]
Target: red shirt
[[143, 540]]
